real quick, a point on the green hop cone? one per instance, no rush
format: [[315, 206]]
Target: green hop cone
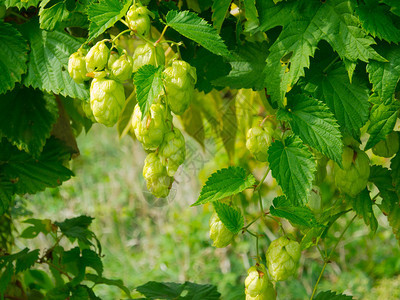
[[107, 98], [282, 258], [219, 234], [173, 151], [258, 286], [179, 81], [97, 57], [87, 110], [138, 19], [387, 147], [147, 55], [258, 141], [353, 177], [151, 130], [77, 66], [157, 179], [121, 67]]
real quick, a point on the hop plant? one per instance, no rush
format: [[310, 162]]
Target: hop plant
[[282, 258], [179, 81], [147, 55], [219, 234], [77, 66], [151, 130], [258, 286], [157, 179], [314, 201], [138, 19], [97, 57], [353, 177], [87, 110], [172, 151], [121, 67], [387, 147], [107, 98], [258, 141]]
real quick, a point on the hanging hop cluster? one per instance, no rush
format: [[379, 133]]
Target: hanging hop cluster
[[352, 178], [107, 95], [155, 130], [282, 258], [258, 285]]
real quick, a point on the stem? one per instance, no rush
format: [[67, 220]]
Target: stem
[[262, 180], [119, 34], [18, 16], [261, 204], [59, 270], [124, 22], [327, 259], [330, 65], [256, 236], [162, 35], [248, 225]]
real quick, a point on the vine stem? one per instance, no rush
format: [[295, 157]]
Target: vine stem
[[329, 256], [256, 236], [119, 34], [330, 65], [162, 35], [258, 186]]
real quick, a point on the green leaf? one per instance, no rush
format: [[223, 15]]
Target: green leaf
[[219, 8], [383, 180], [247, 63], [272, 15], [39, 226], [224, 183], [382, 121], [27, 261], [171, 290], [77, 228], [377, 21], [362, 205], [13, 56], [30, 175], [48, 60], [5, 278], [394, 6], [328, 295], [348, 101], [104, 14], [79, 292], [290, 53], [26, 119], [92, 259], [51, 13], [58, 293], [311, 238], [112, 282], [299, 215], [293, 166], [149, 85], [252, 21], [395, 166], [6, 193], [21, 4], [230, 217], [193, 27], [384, 76], [315, 124]]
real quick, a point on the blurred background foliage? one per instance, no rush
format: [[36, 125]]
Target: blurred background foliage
[[167, 240]]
